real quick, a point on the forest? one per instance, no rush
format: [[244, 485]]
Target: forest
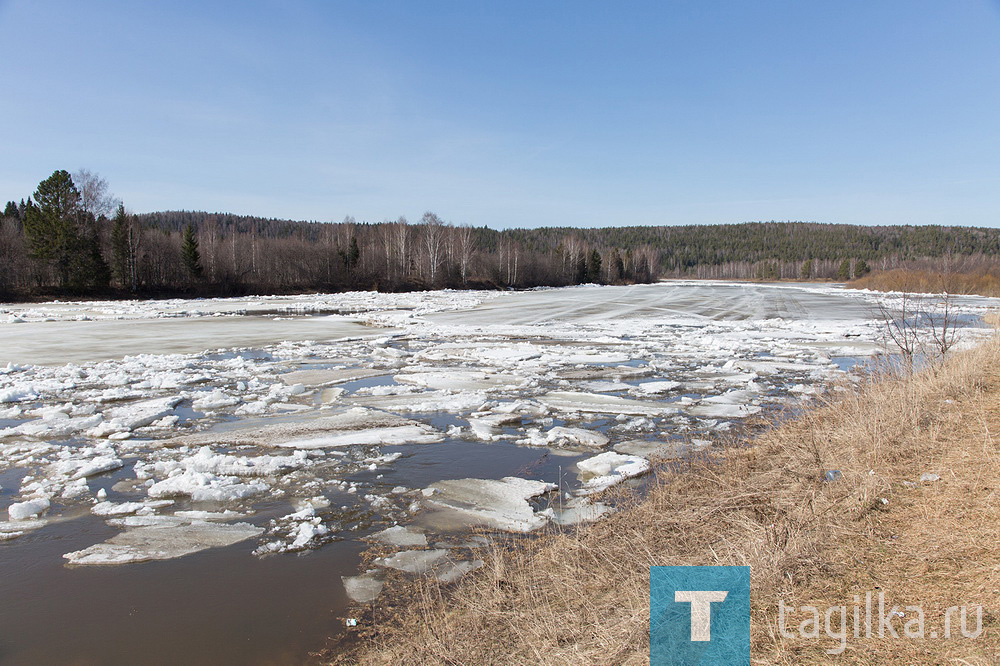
[[73, 237]]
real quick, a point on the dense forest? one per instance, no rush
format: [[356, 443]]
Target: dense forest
[[73, 237]]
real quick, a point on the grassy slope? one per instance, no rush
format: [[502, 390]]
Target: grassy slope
[[581, 596]]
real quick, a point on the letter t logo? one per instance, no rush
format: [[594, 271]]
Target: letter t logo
[[701, 611]]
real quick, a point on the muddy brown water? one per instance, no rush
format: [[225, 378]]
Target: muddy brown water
[[221, 606]]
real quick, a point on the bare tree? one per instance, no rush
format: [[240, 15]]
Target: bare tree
[[509, 257], [126, 238], [433, 244], [466, 246], [95, 198], [402, 236]]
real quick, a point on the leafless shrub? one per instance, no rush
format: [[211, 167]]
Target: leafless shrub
[[919, 328]]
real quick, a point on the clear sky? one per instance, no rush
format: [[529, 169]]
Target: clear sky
[[513, 113]]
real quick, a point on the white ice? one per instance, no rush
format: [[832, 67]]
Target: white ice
[[501, 504], [607, 469]]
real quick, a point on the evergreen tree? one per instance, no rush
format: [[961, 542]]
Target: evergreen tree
[[861, 268], [594, 266], [352, 255], [807, 269], [617, 266], [11, 210], [844, 272], [189, 253], [123, 246], [89, 267], [50, 225]]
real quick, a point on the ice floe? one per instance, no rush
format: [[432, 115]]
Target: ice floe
[[404, 434], [162, 542], [501, 504], [401, 536], [646, 371], [414, 561], [28, 509], [579, 401], [563, 436], [607, 469], [362, 589]]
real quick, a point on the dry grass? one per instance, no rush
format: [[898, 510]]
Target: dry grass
[[581, 596], [983, 282]]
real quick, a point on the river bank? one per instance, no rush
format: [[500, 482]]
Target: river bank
[[911, 512]]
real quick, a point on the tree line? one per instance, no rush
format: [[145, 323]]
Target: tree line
[[73, 236]]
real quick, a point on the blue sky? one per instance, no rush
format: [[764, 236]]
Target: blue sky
[[514, 113]]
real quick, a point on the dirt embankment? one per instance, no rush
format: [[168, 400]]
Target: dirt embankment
[[581, 596]]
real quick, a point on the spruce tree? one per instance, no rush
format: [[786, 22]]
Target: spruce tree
[[594, 266], [807, 268], [50, 224], [353, 254], [617, 267], [89, 266], [844, 272], [861, 268], [189, 253], [122, 249]]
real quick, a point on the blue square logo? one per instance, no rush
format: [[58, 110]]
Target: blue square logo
[[699, 615]]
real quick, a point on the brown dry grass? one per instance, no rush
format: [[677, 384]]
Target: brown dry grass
[[983, 282], [581, 596]]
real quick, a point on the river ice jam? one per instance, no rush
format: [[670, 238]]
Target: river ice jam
[[195, 480]]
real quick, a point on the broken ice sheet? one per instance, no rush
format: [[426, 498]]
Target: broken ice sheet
[[300, 530], [405, 434], [437, 562], [576, 510], [414, 561], [578, 401], [563, 436], [460, 380], [607, 469], [722, 410], [162, 542], [362, 589], [500, 504], [497, 373], [401, 536], [210, 476], [15, 528]]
